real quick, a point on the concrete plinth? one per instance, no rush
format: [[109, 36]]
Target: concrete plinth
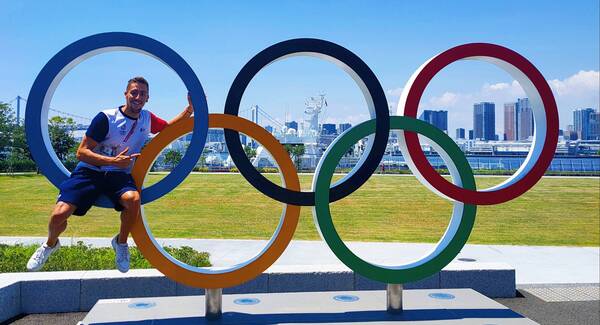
[[427, 306]]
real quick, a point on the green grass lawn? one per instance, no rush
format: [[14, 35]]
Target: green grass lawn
[[557, 211]]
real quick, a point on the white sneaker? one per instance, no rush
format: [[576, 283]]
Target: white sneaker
[[121, 255], [39, 258]]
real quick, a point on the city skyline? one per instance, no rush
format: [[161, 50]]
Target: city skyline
[[520, 126]]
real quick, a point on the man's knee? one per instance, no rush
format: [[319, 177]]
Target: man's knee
[[130, 200], [62, 211]]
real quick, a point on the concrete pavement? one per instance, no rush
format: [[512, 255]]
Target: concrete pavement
[[533, 264]]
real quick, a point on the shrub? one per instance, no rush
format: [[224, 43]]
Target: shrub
[[17, 165], [13, 258]]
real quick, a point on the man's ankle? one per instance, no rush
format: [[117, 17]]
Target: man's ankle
[[121, 242], [51, 244]]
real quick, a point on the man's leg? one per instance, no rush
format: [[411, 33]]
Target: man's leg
[[130, 201], [58, 221]]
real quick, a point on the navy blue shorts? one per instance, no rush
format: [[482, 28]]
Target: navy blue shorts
[[85, 185]]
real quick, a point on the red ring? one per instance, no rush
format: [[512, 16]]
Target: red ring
[[414, 148]]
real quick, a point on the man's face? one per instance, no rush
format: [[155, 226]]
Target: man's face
[[136, 96]]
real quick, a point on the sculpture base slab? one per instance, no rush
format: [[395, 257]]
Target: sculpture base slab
[[437, 306]]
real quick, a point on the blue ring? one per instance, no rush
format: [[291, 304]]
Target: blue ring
[[49, 77]]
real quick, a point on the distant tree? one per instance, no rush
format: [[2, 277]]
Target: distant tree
[[250, 152], [13, 142], [202, 160], [62, 140], [14, 151], [20, 149], [295, 151], [172, 157], [7, 123]]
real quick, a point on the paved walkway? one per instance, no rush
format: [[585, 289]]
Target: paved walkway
[[533, 264]]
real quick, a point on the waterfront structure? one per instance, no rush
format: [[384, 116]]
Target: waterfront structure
[[254, 114], [484, 121], [439, 119], [254, 118], [292, 125], [215, 135], [571, 154]]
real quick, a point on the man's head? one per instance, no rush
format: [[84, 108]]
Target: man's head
[[136, 94]]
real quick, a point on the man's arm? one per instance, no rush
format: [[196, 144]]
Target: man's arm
[[86, 154]]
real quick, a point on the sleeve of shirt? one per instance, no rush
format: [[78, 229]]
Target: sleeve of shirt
[[98, 129], [157, 124]]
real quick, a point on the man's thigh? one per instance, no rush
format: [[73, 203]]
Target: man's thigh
[[81, 190], [118, 185]]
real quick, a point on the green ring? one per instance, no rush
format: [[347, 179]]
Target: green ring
[[324, 220]]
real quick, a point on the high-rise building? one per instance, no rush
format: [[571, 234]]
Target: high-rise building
[[518, 120], [328, 129], [484, 121], [585, 121], [460, 133], [470, 134], [524, 118], [595, 125], [510, 122], [439, 119], [292, 125], [570, 133], [343, 127]]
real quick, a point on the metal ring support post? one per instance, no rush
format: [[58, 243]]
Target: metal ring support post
[[213, 299], [394, 298]]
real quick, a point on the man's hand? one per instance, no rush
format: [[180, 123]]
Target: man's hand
[[122, 160], [190, 108]]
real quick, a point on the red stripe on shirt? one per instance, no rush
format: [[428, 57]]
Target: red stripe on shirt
[[156, 123]]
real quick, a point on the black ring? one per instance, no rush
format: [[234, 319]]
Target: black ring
[[333, 51]]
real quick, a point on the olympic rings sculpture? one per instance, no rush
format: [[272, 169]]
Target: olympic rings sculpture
[[462, 190]]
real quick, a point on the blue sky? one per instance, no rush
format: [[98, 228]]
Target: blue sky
[[394, 38]]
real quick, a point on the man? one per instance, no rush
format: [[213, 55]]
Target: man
[[106, 153]]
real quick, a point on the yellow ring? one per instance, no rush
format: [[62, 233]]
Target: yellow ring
[[193, 276]]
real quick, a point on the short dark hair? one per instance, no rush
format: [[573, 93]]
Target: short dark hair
[[139, 80]]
